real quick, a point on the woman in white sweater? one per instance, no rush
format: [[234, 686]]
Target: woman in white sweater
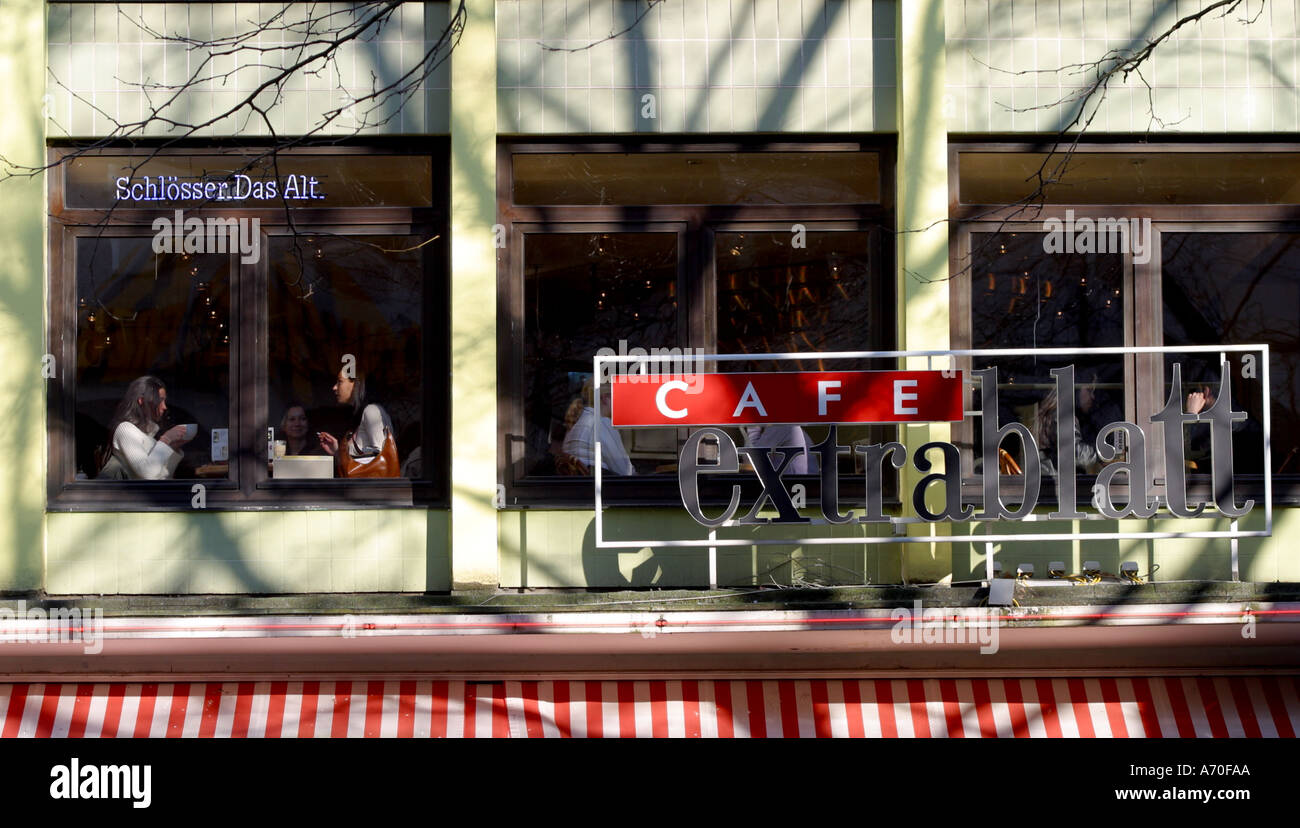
[[138, 454]]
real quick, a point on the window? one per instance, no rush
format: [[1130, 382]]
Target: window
[[689, 250], [247, 287], [1211, 258]]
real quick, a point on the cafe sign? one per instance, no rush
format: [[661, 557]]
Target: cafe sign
[[711, 402]]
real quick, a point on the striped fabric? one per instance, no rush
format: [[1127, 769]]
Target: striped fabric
[[1267, 706]]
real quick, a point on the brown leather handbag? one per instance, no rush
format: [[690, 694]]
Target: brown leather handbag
[[384, 465]]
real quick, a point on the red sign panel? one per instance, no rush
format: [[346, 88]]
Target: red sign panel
[[802, 397]]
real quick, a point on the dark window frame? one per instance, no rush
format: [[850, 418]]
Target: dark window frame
[[249, 486], [696, 225], [1143, 284]]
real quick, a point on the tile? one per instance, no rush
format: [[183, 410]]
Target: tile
[[530, 19], [717, 17], [719, 73], [201, 22], [813, 102], [743, 63], [744, 109], [105, 67], [860, 14], [790, 19], [1188, 58], [696, 57], [977, 112], [507, 18], [778, 110], [861, 62], [672, 108], [718, 105], [600, 110], [674, 23], [1024, 116], [58, 22], [553, 20], [766, 22], [577, 15], [814, 56], [1047, 18], [105, 15], [553, 69], [645, 60], [530, 111], [577, 114], [601, 70], [742, 20], [671, 63], [770, 65], [1214, 101]]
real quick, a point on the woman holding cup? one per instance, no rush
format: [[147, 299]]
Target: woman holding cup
[[135, 453]]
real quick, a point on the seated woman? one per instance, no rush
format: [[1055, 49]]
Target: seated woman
[[579, 441], [370, 439], [134, 452], [296, 430]]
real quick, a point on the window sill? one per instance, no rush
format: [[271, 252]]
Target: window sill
[[226, 496]]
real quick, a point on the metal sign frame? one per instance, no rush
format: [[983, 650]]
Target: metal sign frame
[[900, 524]]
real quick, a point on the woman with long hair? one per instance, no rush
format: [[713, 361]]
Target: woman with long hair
[[370, 438], [138, 455]]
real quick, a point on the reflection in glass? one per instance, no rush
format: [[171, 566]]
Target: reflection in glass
[[1023, 297], [774, 297], [584, 292], [146, 314], [333, 297], [1237, 288]]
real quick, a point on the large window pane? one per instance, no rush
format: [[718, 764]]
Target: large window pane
[[143, 314], [584, 292], [1022, 297], [776, 297], [1238, 288], [340, 301]]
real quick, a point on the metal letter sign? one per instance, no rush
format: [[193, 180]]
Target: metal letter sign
[[1137, 480], [805, 397]]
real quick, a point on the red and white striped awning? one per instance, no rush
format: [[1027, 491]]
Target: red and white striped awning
[[1212, 706]]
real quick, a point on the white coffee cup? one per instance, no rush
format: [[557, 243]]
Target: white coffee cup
[[191, 430]]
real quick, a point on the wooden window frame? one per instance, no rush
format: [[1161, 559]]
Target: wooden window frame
[[1143, 301], [249, 487], [696, 225]]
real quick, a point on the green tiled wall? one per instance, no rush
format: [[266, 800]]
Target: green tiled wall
[[109, 64], [711, 65], [1223, 74], [247, 552]]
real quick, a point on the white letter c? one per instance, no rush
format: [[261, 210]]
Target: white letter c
[[662, 393]]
